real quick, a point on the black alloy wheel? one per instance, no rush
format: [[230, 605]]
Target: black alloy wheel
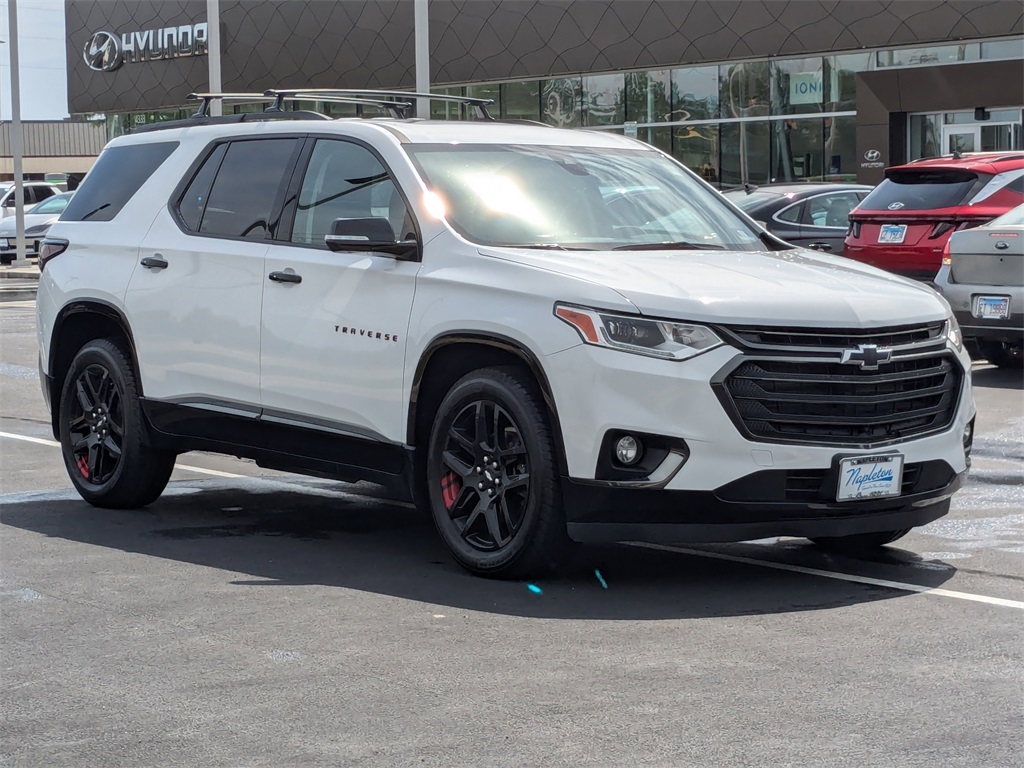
[[492, 477], [487, 485], [96, 426], [102, 431]]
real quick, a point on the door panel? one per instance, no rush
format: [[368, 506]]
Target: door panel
[[197, 321], [196, 296], [826, 220], [333, 345]]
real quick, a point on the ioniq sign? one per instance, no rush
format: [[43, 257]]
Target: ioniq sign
[[108, 51]]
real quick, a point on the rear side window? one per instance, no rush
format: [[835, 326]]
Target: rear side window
[[117, 175], [921, 190], [193, 203], [246, 188]]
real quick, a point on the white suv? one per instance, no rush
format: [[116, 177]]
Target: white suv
[[540, 335]]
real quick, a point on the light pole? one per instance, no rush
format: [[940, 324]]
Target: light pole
[[213, 53], [17, 149], [421, 38]]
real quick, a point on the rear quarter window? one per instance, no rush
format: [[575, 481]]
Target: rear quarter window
[[114, 179], [922, 190]]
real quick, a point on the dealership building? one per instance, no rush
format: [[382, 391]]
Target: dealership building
[[738, 90]]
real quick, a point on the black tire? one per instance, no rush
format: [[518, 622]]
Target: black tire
[[102, 432], [861, 542], [1002, 354], [492, 477]]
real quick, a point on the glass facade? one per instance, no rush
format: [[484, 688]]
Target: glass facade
[[786, 119]]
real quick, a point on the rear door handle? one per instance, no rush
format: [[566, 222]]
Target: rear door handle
[[820, 246], [154, 262], [285, 277]]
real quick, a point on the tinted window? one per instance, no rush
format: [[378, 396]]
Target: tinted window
[[346, 181], [748, 201], [920, 190], [246, 188], [791, 214], [830, 210], [117, 175], [193, 201]]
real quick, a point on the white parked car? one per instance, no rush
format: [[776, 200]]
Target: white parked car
[[453, 310], [37, 223], [35, 192]]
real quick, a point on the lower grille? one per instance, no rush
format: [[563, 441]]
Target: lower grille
[[779, 400]]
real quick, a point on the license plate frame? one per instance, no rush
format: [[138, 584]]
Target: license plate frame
[[991, 307], [892, 234], [877, 476]]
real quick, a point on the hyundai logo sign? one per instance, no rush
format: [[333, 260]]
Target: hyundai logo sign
[[103, 52], [895, 206], [108, 51], [872, 155]]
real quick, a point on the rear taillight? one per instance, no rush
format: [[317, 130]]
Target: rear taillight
[[946, 258], [940, 229], [50, 249], [854, 230]]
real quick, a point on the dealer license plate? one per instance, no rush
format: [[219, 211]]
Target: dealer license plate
[[870, 477], [991, 307], [892, 233]]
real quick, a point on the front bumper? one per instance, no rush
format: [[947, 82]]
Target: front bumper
[[730, 488], [600, 514]]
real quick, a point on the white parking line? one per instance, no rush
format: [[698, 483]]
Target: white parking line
[[55, 444], [838, 576]]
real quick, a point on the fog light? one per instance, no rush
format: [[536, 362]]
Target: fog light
[[628, 450], [969, 433]]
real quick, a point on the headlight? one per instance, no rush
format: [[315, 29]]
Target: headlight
[[39, 229], [654, 338], [953, 334]]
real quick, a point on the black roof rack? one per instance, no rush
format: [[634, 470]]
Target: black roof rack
[[385, 98], [277, 99]]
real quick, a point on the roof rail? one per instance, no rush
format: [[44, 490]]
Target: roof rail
[[383, 98], [277, 99]]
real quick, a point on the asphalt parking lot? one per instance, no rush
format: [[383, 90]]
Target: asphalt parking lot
[[262, 619]]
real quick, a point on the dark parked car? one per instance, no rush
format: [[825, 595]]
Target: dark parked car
[[809, 215]]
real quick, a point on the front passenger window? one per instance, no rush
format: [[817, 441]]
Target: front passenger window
[[346, 181]]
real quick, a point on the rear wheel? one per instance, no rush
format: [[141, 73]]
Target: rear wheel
[[492, 479], [101, 432], [861, 542], [1003, 354]]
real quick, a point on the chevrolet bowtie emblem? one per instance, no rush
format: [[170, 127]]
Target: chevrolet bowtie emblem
[[868, 356]]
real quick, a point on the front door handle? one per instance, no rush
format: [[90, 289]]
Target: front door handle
[[154, 262], [820, 246], [285, 277]]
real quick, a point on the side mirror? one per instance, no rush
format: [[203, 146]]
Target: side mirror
[[372, 233]]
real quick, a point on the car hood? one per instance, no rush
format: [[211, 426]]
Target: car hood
[[796, 286], [8, 225]]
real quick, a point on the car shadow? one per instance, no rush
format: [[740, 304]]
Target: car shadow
[[997, 378], [283, 533]]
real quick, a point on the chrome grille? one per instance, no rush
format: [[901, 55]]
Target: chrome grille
[[792, 386]]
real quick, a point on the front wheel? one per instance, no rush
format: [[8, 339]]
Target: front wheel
[[861, 542], [101, 432], [492, 477]]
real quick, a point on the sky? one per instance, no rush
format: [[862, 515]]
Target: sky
[[43, 60]]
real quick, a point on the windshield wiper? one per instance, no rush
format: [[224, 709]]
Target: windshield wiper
[[676, 245], [550, 247]]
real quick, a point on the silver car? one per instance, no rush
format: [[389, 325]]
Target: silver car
[[37, 222], [982, 278]]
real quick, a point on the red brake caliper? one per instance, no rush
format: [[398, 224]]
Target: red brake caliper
[[450, 487], [83, 466]]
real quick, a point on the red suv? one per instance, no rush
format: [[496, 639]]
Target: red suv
[[904, 223]]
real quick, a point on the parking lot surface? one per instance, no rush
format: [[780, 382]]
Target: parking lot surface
[[256, 618]]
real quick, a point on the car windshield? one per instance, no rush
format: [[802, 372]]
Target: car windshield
[[55, 204], [920, 190], [586, 198]]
